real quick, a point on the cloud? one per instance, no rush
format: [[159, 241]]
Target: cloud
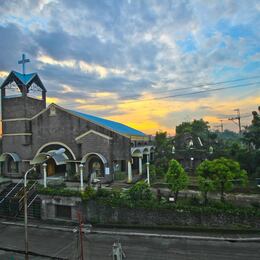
[[91, 54]]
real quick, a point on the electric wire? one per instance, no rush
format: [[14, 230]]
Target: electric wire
[[192, 93]]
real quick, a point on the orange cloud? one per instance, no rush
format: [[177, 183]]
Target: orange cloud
[[3, 74]]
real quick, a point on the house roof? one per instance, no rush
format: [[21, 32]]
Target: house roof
[[115, 126], [25, 78]]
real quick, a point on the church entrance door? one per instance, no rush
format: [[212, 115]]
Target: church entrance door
[[51, 167]]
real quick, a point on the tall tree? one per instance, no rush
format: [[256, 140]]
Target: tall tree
[[252, 132], [163, 146], [176, 178], [225, 172]]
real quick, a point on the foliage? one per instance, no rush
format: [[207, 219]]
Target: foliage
[[192, 205], [236, 150], [140, 191], [152, 172], [205, 179], [163, 147], [224, 172], [196, 128], [192, 140], [57, 192], [88, 194], [251, 135], [176, 178], [228, 135]]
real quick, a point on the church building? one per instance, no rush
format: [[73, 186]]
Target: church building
[[103, 148]]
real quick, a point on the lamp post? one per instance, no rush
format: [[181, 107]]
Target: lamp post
[[44, 165], [25, 213], [43, 161]]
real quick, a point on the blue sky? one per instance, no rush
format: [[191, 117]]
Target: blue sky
[[106, 57]]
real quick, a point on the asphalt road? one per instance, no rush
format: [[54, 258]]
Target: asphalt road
[[64, 245]]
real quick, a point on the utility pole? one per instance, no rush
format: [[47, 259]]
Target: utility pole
[[221, 126], [238, 118], [80, 236]]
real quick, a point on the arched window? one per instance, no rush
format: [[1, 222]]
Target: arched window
[[12, 166]]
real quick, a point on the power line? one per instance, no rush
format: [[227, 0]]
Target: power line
[[193, 93], [196, 86]]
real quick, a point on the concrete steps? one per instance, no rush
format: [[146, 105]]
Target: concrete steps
[[11, 202]]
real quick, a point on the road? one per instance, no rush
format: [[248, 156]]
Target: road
[[63, 245]]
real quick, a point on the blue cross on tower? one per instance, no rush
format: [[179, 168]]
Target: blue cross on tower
[[23, 61]]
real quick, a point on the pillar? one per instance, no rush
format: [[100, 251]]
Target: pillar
[[140, 165], [44, 165], [129, 171], [148, 172], [81, 177]]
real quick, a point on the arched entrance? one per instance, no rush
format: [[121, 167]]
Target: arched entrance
[[58, 166], [9, 163], [95, 165]]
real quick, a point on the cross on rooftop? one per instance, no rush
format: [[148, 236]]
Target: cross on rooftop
[[23, 61]]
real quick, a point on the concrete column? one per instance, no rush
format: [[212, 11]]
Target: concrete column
[[129, 171], [140, 165], [44, 165], [148, 172], [77, 168], [81, 177]]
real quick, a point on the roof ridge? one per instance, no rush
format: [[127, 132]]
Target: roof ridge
[[113, 125]]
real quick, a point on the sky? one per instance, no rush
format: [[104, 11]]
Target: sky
[[117, 58]]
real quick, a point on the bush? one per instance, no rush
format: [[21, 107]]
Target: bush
[[119, 176], [88, 194], [103, 193], [140, 191], [57, 192]]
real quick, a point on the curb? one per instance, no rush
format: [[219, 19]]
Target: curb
[[89, 230], [185, 237]]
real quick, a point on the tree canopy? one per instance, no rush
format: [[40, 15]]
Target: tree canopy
[[220, 174], [163, 148], [252, 132], [176, 178]]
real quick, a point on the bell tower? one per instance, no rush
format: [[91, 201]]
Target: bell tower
[[23, 96]]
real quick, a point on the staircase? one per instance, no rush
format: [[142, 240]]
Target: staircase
[[12, 201]]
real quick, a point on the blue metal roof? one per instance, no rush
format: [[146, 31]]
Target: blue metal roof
[[25, 78], [118, 127]]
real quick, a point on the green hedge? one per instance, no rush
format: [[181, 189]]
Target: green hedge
[[126, 199], [122, 199], [57, 191]]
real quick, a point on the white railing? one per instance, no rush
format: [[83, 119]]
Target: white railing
[[11, 191], [32, 201]]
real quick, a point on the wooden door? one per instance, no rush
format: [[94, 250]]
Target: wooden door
[[51, 167]]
